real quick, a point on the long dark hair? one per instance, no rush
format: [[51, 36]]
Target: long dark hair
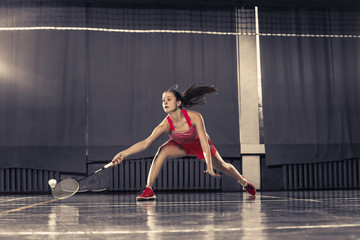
[[194, 95]]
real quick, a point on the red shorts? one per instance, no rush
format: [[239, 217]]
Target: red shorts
[[194, 148]]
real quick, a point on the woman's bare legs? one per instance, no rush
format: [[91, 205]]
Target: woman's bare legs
[[227, 168], [169, 149]]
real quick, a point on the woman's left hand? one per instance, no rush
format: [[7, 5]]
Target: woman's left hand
[[211, 172], [118, 159]]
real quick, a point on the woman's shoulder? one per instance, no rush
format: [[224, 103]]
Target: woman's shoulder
[[191, 112], [194, 115], [164, 123]]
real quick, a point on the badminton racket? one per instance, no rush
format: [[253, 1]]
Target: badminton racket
[[69, 186]]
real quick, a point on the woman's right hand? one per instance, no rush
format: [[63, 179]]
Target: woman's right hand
[[117, 159], [211, 172]]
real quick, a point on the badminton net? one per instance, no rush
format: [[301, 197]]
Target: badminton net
[[212, 19]]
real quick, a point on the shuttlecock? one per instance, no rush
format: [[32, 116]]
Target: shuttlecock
[[52, 183]]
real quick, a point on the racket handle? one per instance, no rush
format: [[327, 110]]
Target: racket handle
[[110, 164]]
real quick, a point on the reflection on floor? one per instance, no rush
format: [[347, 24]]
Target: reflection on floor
[[179, 215]]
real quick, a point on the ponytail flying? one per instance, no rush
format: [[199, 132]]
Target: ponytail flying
[[194, 95]]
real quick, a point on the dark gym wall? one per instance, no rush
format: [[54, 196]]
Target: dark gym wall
[[310, 86], [68, 96]]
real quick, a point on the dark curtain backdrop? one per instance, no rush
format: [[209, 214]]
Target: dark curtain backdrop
[[71, 96], [132, 71], [42, 99], [311, 98]]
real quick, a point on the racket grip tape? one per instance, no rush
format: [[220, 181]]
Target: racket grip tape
[[110, 164]]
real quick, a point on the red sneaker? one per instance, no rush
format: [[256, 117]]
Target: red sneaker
[[148, 194], [249, 187]]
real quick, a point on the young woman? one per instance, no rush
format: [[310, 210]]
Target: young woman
[[187, 137]]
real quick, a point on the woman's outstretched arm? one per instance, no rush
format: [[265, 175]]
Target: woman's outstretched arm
[[162, 128]]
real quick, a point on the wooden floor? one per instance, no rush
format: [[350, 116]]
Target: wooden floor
[[180, 215]]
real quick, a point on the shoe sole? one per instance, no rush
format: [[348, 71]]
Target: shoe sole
[[251, 193], [145, 198]]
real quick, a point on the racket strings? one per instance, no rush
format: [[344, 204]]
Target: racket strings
[[65, 188]]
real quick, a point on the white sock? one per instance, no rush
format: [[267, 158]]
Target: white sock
[[244, 185]]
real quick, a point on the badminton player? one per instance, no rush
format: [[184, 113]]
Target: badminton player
[[188, 136]]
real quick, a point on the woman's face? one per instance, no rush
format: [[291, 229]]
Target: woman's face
[[169, 102]]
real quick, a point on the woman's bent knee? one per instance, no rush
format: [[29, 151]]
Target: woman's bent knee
[[170, 149]]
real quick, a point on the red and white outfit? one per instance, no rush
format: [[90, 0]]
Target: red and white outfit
[[189, 140]]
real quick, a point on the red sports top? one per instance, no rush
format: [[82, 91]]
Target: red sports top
[[189, 140]]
